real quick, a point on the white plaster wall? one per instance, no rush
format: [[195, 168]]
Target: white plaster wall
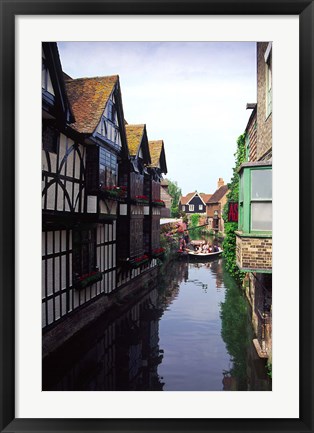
[[123, 209], [51, 196], [62, 151]]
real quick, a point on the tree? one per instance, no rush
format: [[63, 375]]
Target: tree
[[175, 192], [229, 244]]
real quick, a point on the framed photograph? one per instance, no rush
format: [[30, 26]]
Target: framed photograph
[[36, 396]]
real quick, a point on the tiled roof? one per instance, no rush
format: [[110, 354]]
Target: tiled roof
[[88, 98], [218, 194], [134, 134], [155, 148], [186, 198], [205, 197], [190, 195]]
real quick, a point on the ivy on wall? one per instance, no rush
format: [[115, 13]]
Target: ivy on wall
[[229, 243]]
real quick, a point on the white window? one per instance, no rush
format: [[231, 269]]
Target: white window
[[261, 200], [268, 68], [191, 207], [183, 208], [200, 207]]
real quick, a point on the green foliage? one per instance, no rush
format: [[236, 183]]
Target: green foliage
[[194, 222], [269, 368], [229, 243], [194, 219], [236, 330], [175, 192]]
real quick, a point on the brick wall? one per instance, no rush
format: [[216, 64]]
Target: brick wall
[[254, 253], [251, 131], [264, 125]]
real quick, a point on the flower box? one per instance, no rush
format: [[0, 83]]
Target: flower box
[[114, 192], [159, 203], [87, 280], [141, 200], [134, 263], [158, 252], [139, 261]]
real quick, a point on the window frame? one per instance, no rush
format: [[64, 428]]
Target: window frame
[[191, 207], [77, 263], [246, 200], [56, 139]]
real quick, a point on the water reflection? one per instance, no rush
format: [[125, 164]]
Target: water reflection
[[189, 332]]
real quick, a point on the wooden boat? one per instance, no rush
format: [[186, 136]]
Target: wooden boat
[[201, 255]]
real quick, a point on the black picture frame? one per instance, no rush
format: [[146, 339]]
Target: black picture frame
[[11, 8]]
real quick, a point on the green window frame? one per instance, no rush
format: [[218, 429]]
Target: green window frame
[[255, 199]]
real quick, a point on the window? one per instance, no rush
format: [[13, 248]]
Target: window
[[50, 139], [107, 167], [191, 207], [200, 207], [183, 208], [268, 68], [261, 196], [111, 111], [255, 199], [84, 251]]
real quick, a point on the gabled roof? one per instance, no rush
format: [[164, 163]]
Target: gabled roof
[[218, 194], [134, 135], [205, 197], [88, 98], [186, 199], [157, 154], [137, 139], [52, 59]]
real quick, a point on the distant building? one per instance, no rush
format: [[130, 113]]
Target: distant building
[[194, 202], [215, 206]]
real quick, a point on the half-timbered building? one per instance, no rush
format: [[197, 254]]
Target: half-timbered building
[[99, 187], [153, 178], [132, 257], [83, 142]]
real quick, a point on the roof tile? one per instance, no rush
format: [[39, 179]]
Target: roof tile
[[134, 134], [155, 148], [88, 98], [218, 194]]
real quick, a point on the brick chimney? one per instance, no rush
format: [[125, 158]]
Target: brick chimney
[[220, 182]]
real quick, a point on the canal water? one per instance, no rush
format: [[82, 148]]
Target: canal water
[[190, 331]]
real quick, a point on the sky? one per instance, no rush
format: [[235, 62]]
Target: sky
[[192, 95]]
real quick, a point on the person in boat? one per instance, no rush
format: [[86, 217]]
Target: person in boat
[[182, 244], [205, 248], [186, 237], [215, 249]]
